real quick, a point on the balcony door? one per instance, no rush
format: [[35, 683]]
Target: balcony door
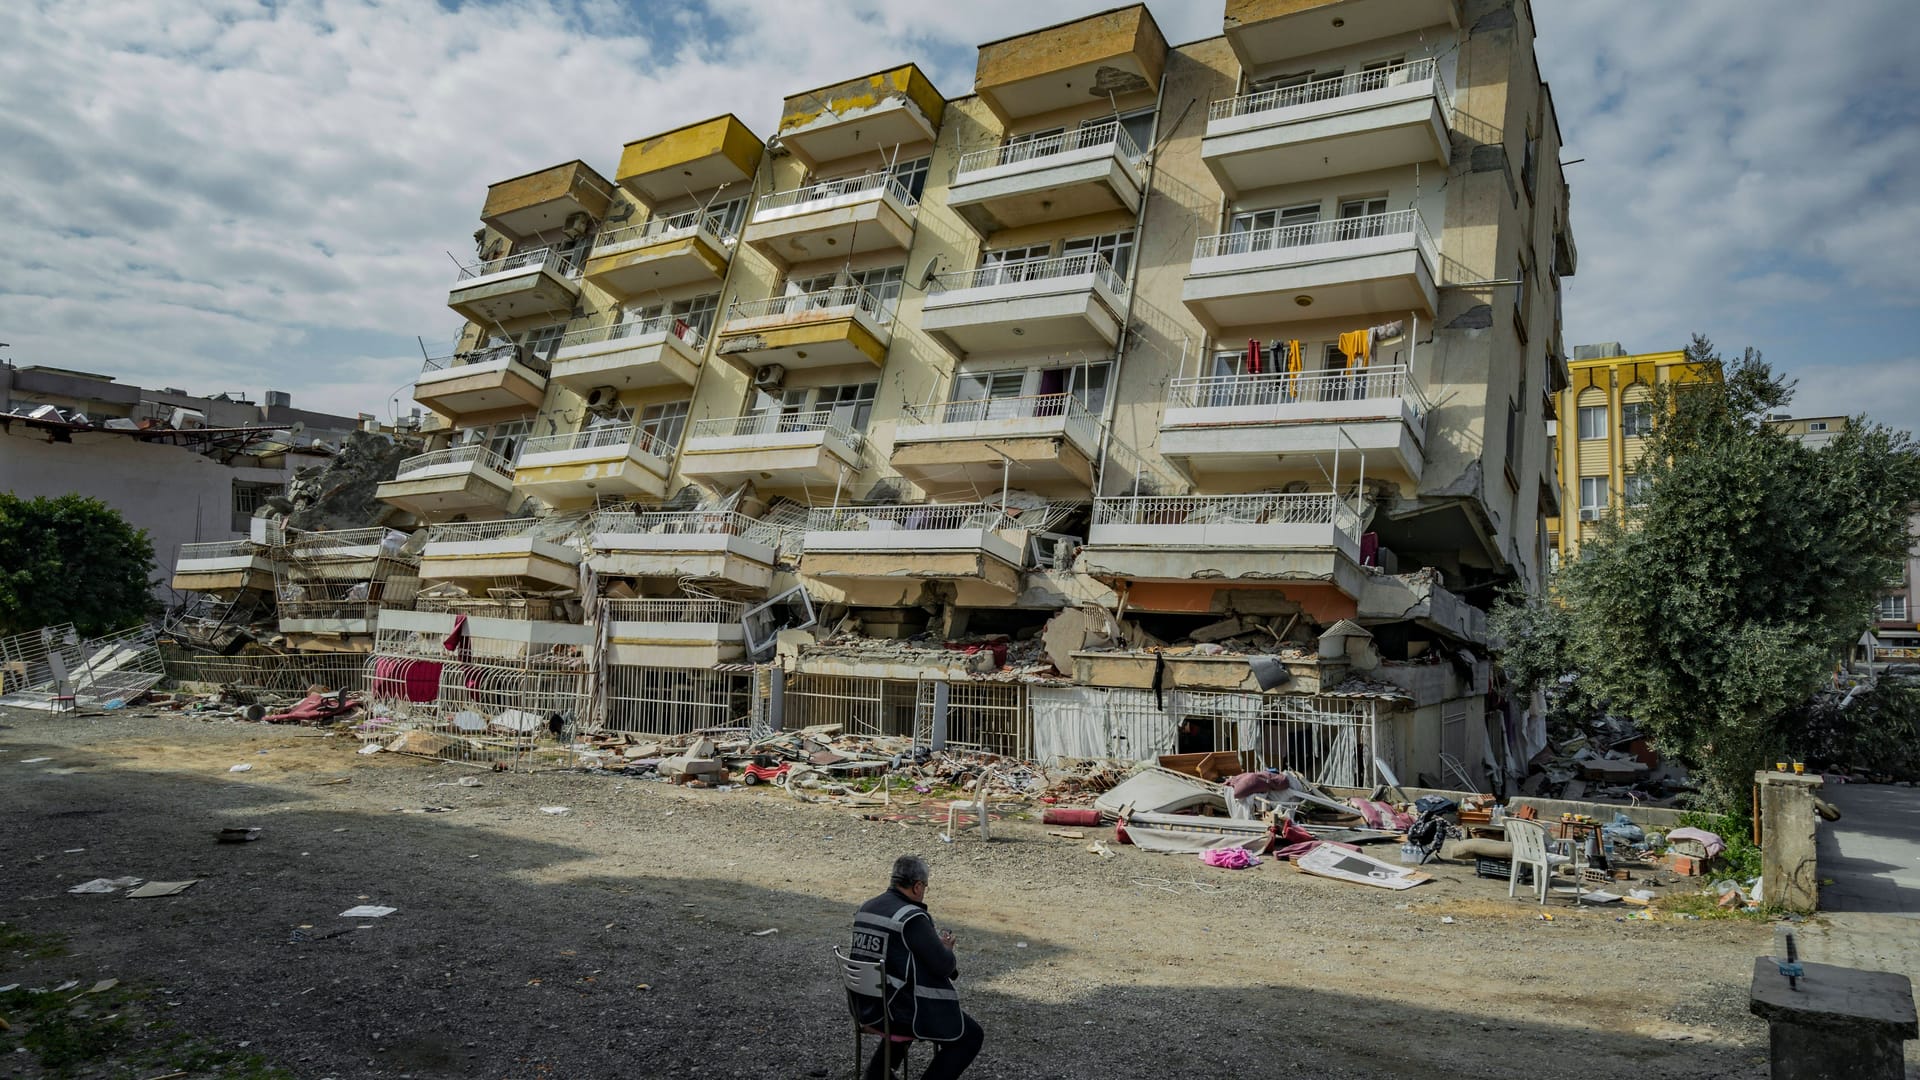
[[992, 395], [1032, 144], [1008, 265], [1264, 230], [1360, 218], [661, 426]]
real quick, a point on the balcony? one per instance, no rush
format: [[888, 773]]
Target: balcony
[[481, 381], [675, 633], [662, 253], [777, 452], [223, 568], [886, 109], [1263, 32], [541, 202], [334, 583], [541, 281], [698, 157], [1260, 424], [630, 356], [495, 635], [1038, 304], [678, 545], [582, 466], [1378, 264], [530, 553], [1054, 68], [829, 328], [443, 483], [1357, 123], [1225, 540], [1089, 170], [871, 551], [833, 218], [1049, 441]]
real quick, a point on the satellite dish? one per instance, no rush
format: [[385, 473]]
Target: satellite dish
[[296, 427], [925, 277]]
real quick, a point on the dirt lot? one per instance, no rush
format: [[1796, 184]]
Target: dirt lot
[[619, 939]]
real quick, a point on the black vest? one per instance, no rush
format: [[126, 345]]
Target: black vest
[[922, 1002]]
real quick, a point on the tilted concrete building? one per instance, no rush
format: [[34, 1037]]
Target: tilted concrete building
[[1246, 345]]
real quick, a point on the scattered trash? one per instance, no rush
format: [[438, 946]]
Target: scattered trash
[[100, 987], [1067, 834], [1100, 848], [1019, 944], [553, 810], [161, 888], [1334, 861], [65, 986], [367, 911], [1232, 858], [34, 760], [764, 933], [105, 885], [1446, 920], [237, 835], [465, 781], [242, 767], [370, 748]]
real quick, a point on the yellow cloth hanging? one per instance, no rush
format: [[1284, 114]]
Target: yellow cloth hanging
[[1358, 345], [1293, 357]]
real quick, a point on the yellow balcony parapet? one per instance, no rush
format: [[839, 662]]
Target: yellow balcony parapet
[[541, 202], [1116, 52], [1265, 31], [873, 112], [697, 157]]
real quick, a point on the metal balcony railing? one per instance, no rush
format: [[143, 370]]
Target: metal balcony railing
[[661, 230], [542, 258], [1078, 423], [612, 435], [1283, 238], [919, 517], [1359, 82], [518, 608], [674, 325], [826, 190], [343, 544], [676, 611], [1006, 273], [481, 457], [1307, 508], [831, 421], [1307, 387], [558, 529], [827, 303], [219, 549], [1038, 150], [489, 354], [671, 522]]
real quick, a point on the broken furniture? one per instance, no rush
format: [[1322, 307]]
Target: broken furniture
[[1828, 1023], [865, 979], [1529, 840]]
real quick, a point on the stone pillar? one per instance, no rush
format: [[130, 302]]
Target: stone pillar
[[1790, 878], [942, 694], [1837, 1024], [776, 700]]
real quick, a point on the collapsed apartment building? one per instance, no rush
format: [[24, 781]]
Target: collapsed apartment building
[[1100, 412]]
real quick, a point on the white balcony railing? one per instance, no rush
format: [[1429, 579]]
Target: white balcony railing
[[676, 611], [480, 456], [618, 331], [1282, 238], [1006, 273], [831, 190], [1080, 425], [219, 549], [661, 230], [1283, 388], [612, 435], [543, 258], [911, 518], [671, 522], [488, 355], [831, 421], [1359, 82], [1307, 508], [827, 303], [1038, 150]]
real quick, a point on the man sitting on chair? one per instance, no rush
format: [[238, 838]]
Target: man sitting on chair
[[895, 928]]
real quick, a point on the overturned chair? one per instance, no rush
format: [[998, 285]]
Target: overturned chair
[[863, 979]]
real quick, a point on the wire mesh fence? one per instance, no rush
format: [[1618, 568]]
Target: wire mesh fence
[[268, 673], [657, 701]]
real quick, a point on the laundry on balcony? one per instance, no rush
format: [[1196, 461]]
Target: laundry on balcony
[[1358, 347]]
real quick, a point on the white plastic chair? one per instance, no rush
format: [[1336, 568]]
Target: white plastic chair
[[977, 806], [862, 978], [1529, 840]]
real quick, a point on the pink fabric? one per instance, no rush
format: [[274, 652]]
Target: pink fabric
[[1294, 851], [1256, 783], [1232, 858], [313, 707]]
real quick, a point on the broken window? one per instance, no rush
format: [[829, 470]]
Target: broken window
[[249, 496]]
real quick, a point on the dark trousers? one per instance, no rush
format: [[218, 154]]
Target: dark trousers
[[950, 1059]]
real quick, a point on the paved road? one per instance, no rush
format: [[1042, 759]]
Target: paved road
[[1870, 915]]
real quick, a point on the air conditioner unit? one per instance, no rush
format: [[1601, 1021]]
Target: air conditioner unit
[[602, 397], [769, 377], [1587, 514]]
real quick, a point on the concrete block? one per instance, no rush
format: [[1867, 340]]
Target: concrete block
[[1837, 1024], [1790, 877]]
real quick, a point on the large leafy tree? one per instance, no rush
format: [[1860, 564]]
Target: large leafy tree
[[1722, 598], [71, 559]]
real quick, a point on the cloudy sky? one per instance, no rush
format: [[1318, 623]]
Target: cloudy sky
[[236, 196]]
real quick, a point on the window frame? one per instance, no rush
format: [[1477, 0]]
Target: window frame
[[1581, 414]]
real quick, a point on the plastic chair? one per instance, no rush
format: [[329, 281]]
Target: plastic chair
[[865, 979], [977, 806], [1529, 840]]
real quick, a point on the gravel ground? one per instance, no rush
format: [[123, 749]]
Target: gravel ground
[[619, 939]]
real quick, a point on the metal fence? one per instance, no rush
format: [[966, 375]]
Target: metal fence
[[489, 701], [1020, 270], [54, 667], [480, 456], [827, 190], [828, 303], [911, 517], [540, 258], [657, 701], [1308, 234], [992, 717], [1305, 508], [1290, 388], [860, 705], [773, 422], [1023, 150], [267, 674], [663, 325], [1340, 86]]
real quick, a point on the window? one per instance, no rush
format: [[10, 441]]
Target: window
[[1524, 274], [993, 395], [1816, 425], [696, 311], [1513, 431], [1014, 264], [1264, 230], [1117, 247], [1362, 217], [912, 175], [1636, 419], [1032, 144], [1635, 489], [660, 427], [1529, 163], [1593, 421], [851, 405], [1378, 74], [1593, 497], [1893, 609], [544, 341], [1138, 125], [248, 497], [505, 439]]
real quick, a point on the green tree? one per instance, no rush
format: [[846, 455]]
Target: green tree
[[1721, 599], [71, 559]]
